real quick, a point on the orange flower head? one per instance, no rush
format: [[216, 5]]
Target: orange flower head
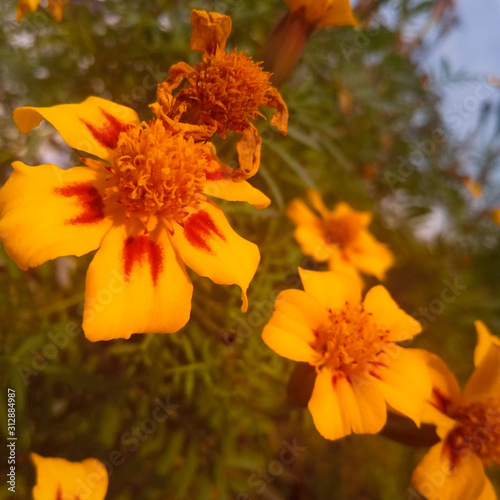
[[144, 204], [339, 237], [352, 344], [351, 341], [159, 173], [471, 421], [223, 92], [468, 423]]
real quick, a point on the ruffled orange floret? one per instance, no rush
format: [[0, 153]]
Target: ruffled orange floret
[[222, 93], [159, 174]]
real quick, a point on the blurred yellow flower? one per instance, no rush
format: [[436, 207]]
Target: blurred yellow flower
[[59, 479], [474, 188], [144, 205], [223, 92], [339, 237], [495, 215], [361, 370], [26, 6], [323, 13], [468, 424]]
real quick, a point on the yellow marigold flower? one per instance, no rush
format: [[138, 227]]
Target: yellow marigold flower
[[339, 237], [323, 13], [468, 424], [144, 205], [26, 6], [352, 343], [223, 92], [59, 479]]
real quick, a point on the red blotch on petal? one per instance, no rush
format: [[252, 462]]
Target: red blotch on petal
[[198, 228], [440, 401], [216, 175], [336, 377], [136, 250], [109, 132], [89, 199]]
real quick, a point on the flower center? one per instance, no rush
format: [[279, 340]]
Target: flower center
[[342, 231], [226, 92], [159, 173], [352, 340], [478, 429]]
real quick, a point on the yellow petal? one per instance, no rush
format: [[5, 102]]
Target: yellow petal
[[342, 210], [404, 381], [337, 262], [312, 242], [369, 255], [485, 381], [47, 212], [225, 188], [60, 479], [488, 492], [445, 390], [484, 341], [317, 202], [92, 126], [331, 289], [387, 314], [290, 330], [210, 30], [301, 214], [209, 246], [339, 408], [340, 15], [436, 480], [135, 284]]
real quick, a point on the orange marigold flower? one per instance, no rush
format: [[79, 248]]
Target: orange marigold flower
[[223, 92], [352, 343], [144, 205], [339, 237], [59, 479], [26, 6], [323, 13], [468, 424]]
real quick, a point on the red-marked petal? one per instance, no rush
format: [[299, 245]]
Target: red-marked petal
[[209, 246], [47, 212], [92, 126], [135, 284]]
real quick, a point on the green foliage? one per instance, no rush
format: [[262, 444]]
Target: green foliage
[[359, 108]]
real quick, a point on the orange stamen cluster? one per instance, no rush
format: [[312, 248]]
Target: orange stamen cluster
[[225, 91], [351, 341], [342, 231], [158, 173], [478, 429]]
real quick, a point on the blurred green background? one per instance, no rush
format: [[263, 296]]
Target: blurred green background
[[364, 128]]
